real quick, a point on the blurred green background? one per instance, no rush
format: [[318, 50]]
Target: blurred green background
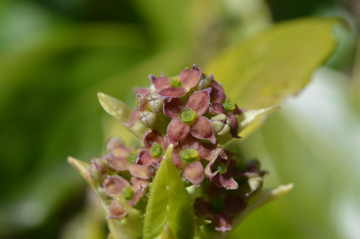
[[56, 55]]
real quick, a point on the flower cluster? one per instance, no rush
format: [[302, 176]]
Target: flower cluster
[[191, 112]]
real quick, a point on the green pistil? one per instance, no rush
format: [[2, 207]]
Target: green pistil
[[127, 193], [174, 81], [132, 157], [156, 150], [229, 106], [222, 168], [189, 155], [188, 116]]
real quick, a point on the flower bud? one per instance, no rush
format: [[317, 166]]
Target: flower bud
[[154, 102], [148, 119], [204, 82], [97, 169], [221, 124]]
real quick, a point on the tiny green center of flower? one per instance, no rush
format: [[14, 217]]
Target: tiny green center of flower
[[131, 158], [174, 81], [189, 155], [156, 150], [220, 167], [188, 116], [127, 193], [229, 106]]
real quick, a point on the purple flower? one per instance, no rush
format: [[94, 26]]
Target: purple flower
[[188, 118], [176, 87]]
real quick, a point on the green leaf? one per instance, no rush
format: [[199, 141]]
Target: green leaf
[[169, 204], [263, 71], [122, 112]]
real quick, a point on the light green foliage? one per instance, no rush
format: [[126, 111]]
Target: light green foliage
[[169, 206], [263, 71]]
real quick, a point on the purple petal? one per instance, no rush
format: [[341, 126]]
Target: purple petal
[[137, 196], [222, 222], [134, 117], [152, 136], [208, 170], [117, 163], [225, 181], [175, 157], [144, 158], [113, 185], [190, 78], [160, 82], [173, 107], [216, 108], [202, 129], [140, 171], [234, 126], [173, 92], [206, 150], [237, 110], [117, 147], [199, 102], [116, 210], [138, 183], [217, 94], [194, 172], [141, 92], [178, 131]]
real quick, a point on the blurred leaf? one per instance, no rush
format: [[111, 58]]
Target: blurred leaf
[[169, 204], [263, 71], [122, 112]]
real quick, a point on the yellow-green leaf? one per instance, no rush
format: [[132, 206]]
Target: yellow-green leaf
[[263, 71], [169, 204]]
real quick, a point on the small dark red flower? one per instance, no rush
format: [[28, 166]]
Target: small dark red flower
[[176, 87], [188, 118]]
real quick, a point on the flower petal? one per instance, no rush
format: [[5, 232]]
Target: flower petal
[[221, 222], [173, 92], [173, 107], [160, 82], [116, 146], [113, 185], [137, 196], [216, 108], [134, 116], [140, 171], [202, 129], [178, 131], [152, 136], [116, 210], [141, 92], [117, 163], [199, 101], [217, 93], [190, 78], [206, 150], [144, 158], [175, 157], [194, 172], [234, 125], [138, 183], [225, 181]]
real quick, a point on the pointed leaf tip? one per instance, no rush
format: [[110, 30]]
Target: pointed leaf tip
[[122, 112], [82, 168]]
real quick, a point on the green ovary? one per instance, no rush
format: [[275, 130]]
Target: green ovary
[[188, 116], [189, 155]]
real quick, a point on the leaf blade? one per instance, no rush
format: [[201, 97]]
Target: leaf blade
[[169, 205]]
